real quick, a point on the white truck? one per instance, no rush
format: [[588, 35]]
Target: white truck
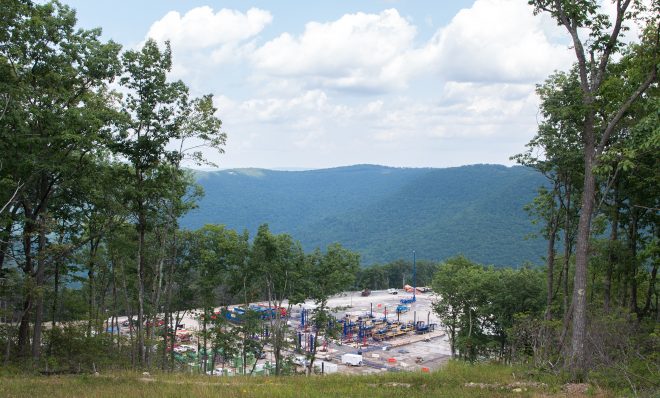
[[351, 359]]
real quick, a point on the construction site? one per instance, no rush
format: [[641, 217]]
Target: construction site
[[387, 330]]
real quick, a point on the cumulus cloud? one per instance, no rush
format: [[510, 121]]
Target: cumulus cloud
[[297, 104], [317, 127], [494, 40], [354, 51], [201, 27], [497, 40]]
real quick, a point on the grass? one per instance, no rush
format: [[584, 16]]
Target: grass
[[451, 381]]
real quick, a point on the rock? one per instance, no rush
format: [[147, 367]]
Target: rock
[[575, 388], [393, 384]]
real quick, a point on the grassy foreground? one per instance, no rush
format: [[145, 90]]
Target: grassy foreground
[[454, 380]]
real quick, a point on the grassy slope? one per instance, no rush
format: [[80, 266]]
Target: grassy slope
[[448, 382]]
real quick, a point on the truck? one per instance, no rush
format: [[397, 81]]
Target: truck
[[351, 359], [301, 361], [402, 308]]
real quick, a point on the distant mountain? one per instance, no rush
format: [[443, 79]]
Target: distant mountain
[[383, 212]]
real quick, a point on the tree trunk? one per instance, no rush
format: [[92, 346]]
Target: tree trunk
[[633, 261], [611, 258], [651, 291], [140, 278], [28, 269], [129, 312], [551, 265], [93, 245], [568, 247], [5, 237], [39, 282], [577, 358]]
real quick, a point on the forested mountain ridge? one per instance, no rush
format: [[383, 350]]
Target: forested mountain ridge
[[383, 212]]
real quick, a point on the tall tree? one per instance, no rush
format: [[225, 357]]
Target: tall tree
[[157, 113], [56, 110], [594, 55], [328, 274]]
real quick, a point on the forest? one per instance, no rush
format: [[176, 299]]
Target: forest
[[384, 212], [93, 143]]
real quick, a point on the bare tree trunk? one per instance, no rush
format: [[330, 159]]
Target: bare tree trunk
[[577, 356], [651, 291], [39, 282], [28, 269], [140, 277], [568, 244], [551, 265], [633, 260], [56, 292], [607, 289], [129, 313], [5, 237], [93, 246]]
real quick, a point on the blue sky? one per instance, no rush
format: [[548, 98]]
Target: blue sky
[[323, 84]]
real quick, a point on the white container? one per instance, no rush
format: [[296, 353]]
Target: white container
[[327, 367], [351, 359]]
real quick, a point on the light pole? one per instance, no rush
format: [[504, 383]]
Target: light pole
[[414, 276]]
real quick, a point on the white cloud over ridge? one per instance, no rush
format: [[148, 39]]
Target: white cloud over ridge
[[347, 91]]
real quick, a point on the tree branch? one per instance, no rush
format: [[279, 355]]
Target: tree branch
[[11, 199], [623, 109], [611, 42], [579, 51]]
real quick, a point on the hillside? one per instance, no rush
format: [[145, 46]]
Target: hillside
[[382, 212]]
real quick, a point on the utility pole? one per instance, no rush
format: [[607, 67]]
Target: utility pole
[[414, 276]]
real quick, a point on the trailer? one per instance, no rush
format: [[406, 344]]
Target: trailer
[[326, 367], [351, 359]]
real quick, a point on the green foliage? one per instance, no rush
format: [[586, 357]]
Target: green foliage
[[395, 274], [477, 305], [71, 349]]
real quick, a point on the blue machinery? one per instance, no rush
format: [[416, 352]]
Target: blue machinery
[[412, 299]]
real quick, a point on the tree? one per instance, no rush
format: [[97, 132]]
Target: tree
[[455, 282], [54, 121], [276, 267], [593, 58], [328, 274], [156, 113], [555, 152]]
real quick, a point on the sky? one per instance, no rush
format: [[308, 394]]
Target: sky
[[302, 85]]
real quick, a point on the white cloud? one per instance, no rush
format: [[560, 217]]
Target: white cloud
[[353, 52], [497, 41], [494, 40], [318, 128], [202, 28], [295, 104]]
